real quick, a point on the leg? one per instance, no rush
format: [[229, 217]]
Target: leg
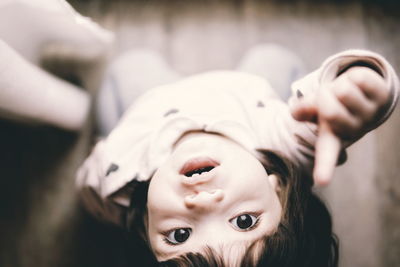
[[128, 77], [278, 65]]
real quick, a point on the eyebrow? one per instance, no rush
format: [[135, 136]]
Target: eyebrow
[[167, 255], [204, 251], [163, 254]]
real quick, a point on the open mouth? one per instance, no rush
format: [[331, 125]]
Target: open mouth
[[198, 166]]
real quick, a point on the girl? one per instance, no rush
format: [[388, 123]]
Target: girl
[[217, 164]]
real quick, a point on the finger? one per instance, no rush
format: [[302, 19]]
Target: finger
[[353, 99], [371, 83], [303, 109], [326, 154], [339, 119]]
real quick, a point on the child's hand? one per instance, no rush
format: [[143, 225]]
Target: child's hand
[[344, 111]]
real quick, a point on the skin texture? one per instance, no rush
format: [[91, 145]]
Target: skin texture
[[239, 185], [344, 111]]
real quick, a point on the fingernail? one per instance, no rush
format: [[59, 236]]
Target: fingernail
[[321, 178]]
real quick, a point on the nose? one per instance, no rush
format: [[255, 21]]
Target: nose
[[204, 200]]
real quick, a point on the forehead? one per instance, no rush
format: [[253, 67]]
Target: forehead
[[232, 246], [230, 253]]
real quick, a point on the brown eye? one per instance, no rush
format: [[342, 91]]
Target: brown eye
[[244, 222], [178, 236]]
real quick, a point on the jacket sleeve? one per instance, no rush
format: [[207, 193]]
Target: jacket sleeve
[[301, 137], [89, 182]]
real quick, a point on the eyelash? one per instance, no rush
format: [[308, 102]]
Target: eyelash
[[255, 214], [165, 235], [169, 242]]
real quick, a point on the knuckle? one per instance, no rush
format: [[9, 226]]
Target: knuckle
[[369, 111], [359, 76], [348, 130], [343, 91], [330, 115], [357, 124], [382, 97]]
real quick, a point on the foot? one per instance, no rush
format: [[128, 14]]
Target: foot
[[278, 65]]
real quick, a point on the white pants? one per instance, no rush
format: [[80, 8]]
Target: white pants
[[138, 70]]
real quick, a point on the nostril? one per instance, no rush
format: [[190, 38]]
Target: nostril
[[190, 201], [204, 199], [219, 194]]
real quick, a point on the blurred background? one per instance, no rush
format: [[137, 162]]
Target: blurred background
[[41, 221]]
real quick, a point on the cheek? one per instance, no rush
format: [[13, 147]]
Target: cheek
[[256, 182], [154, 194], [276, 212], [152, 237], [161, 197], [273, 204], [259, 188], [157, 184]]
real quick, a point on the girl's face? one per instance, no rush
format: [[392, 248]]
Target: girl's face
[[210, 192]]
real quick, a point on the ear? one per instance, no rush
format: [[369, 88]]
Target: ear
[[274, 181]]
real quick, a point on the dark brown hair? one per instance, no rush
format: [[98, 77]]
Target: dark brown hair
[[303, 238]]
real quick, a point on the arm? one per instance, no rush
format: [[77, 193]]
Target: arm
[[351, 94], [27, 92]]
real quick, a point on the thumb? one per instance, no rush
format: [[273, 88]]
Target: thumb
[[327, 150], [304, 109]]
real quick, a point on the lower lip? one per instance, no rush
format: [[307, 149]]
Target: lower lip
[[197, 163]]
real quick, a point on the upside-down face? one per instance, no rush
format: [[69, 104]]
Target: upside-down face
[[210, 192]]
